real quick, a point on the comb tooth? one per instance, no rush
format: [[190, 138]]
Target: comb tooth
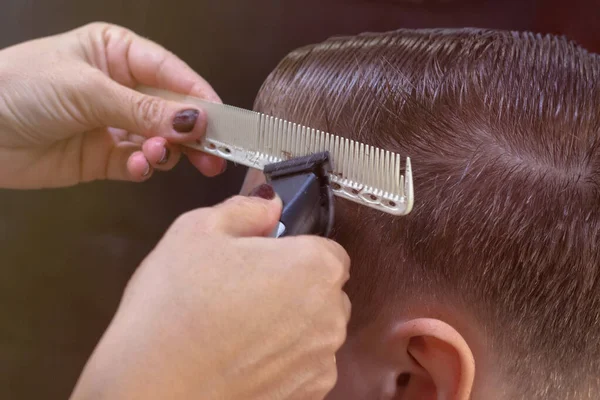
[[303, 142], [334, 143], [258, 140], [379, 169], [297, 143], [317, 141], [371, 167], [331, 145], [361, 164], [261, 132], [293, 149], [355, 161], [273, 141], [383, 171], [377, 165], [343, 156], [269, 139], [407, 188], [335, 150], [366, 163], [401, 191], [320, 141], [290, 139], [347, 157], [375, 181], [395, 172], [280, 137], [387, 174], [350, 150], [358, 162], [264, 136], [272, 137], [285, 129]]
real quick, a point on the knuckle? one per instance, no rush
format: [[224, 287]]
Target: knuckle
[[239, 201], [328, 378], [96, 26], [196, 218], [149, 113], [209, 220], [340, 327], [337, 268], [324, 254], [247, 207]]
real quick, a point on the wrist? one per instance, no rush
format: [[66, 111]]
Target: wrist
[[141, 356]]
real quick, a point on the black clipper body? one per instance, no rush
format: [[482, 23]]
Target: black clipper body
[[303, 185]]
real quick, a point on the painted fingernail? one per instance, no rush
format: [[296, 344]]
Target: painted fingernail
[[265, 191], [185, 120], [165, 156], [148, 170]]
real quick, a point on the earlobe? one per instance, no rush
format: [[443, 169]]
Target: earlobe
[[438, 359]]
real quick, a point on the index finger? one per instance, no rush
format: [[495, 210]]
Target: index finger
[[133, 60], [152, 65]]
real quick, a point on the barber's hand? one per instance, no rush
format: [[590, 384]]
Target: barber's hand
[[68, 113], [217, 311]]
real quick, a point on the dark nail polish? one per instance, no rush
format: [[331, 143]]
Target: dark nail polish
[[165, 157], [265, 191], [185, 120]]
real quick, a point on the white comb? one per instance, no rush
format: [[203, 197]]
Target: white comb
[[363, 174]]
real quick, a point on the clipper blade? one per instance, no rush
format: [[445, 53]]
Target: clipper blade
[[361, 173]]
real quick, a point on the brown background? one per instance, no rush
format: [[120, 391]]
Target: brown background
[[65, 255]]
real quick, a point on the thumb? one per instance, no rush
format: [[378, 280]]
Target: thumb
[[256, 215], [146, 115]]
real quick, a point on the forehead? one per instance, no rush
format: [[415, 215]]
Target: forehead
[[254, 177]]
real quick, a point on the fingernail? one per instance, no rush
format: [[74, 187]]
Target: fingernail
[[148, 169], [265, 191], [185, 120], [224, 167], [165, 157]]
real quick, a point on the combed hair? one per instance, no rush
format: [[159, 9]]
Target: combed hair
[[503, 130]]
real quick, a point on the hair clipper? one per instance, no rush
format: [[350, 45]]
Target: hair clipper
[[303, 185]]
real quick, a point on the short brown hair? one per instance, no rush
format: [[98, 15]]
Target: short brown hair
[[503, 129]]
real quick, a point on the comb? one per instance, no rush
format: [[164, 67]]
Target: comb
[[360, 173]]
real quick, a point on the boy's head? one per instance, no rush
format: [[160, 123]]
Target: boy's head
[[490, 288]]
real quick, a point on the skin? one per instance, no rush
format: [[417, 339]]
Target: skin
[[177, 336], [415, 351], [80, 120], [193, 320]]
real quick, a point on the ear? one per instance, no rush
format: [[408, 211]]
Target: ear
[[432, 362]]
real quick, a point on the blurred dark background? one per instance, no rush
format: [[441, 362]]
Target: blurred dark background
[[66, 255]]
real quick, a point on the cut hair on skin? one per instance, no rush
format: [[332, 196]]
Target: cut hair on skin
[[503, 130]]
